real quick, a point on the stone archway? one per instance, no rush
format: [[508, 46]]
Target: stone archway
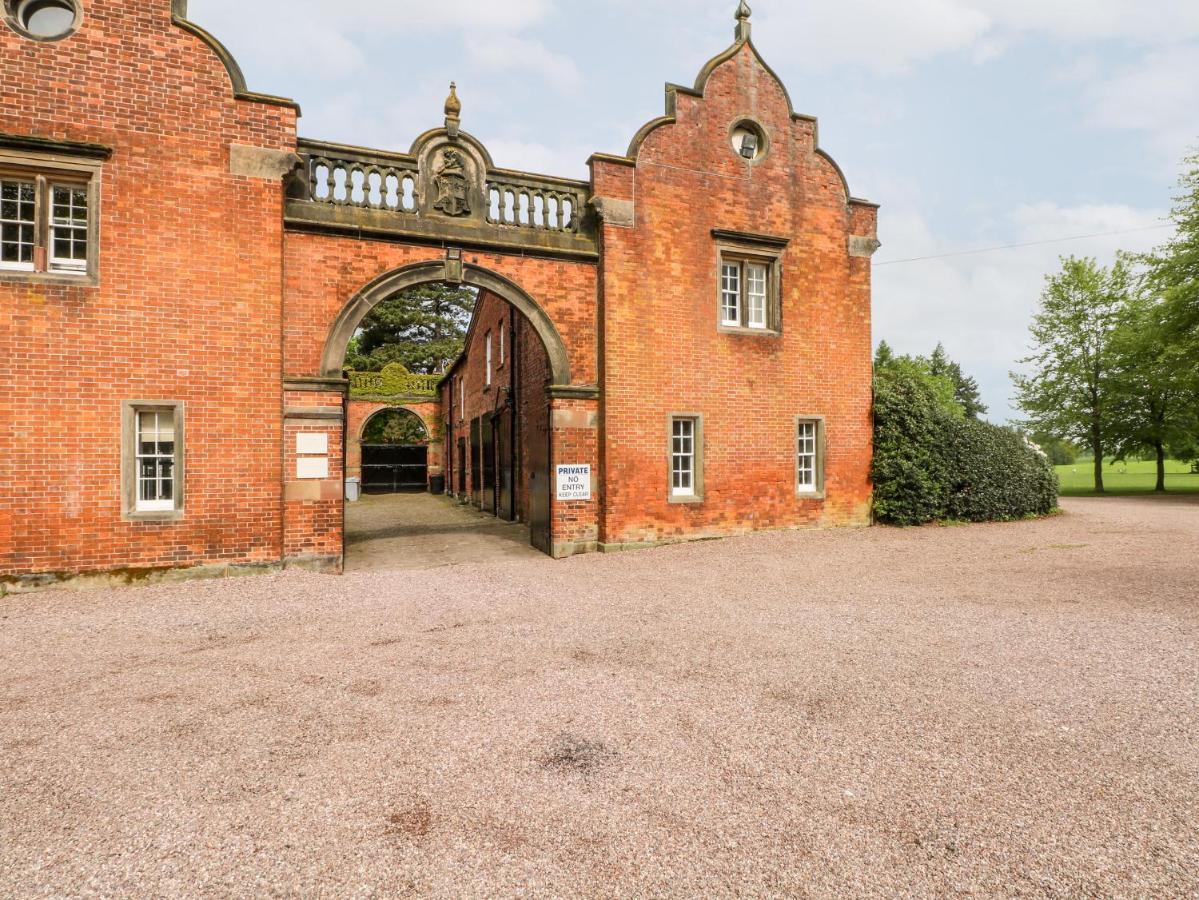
[[394, 447], [391, 283], [393, 408]]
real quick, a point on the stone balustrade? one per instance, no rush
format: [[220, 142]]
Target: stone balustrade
[[336, 188]]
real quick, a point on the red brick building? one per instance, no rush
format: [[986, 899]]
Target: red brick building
[[690, 326]]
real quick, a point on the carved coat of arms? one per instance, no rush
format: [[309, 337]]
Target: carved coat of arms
[[453, 189]]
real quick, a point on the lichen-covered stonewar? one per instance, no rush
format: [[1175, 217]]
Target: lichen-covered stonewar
[[180, 277]]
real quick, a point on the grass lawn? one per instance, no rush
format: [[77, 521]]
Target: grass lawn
[[1078, 480]]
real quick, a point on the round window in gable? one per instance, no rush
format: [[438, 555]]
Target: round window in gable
[[749, 141], [44, 20]]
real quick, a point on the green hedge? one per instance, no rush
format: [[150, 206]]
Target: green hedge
[[932, 463]]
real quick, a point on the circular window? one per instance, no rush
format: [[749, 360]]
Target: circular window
[[749, 141], [45, 20]]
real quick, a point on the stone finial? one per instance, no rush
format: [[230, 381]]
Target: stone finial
[[453, 111], [743, 26]]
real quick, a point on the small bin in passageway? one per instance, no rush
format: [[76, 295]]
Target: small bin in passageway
[[437, 485], [353, 490]]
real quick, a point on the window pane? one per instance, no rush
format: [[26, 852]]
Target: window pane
[[730, 294], [16, 223], [683, 457], [68, 228], [155, 449], [806, 455], [758, 279]]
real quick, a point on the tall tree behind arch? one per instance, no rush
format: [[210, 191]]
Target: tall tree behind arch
[[423, 327]]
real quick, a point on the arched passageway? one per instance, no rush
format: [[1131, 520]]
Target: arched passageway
[[469, 476]]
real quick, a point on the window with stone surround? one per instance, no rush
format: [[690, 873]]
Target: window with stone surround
[[686, 444], [48, 213], [809, 456], [749, 283], [152, 460]]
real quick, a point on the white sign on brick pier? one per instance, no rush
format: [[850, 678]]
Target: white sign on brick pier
[[574, 483]]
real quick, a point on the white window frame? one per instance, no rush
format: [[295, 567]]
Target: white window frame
[[160, 503], [678, 424], [8, 224], [757, 293], [489, 361], [69, 228], [730, 294], [461, 397], [134, 507], [503, 329], [810, 447]]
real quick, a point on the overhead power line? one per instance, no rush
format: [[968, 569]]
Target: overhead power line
[[1064, 240]]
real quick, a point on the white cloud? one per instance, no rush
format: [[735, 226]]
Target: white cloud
[[530, 156], [1158, 96], [308, 35], [497, 51], [889, 37], [980, 305], [1078, 21], [879, 35]]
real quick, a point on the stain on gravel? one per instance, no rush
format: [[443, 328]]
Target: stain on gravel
[[366, 687], [412, 822], [571, 753]]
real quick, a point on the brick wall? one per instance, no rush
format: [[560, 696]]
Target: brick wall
[[662, 351], [187, 308], [205, 300]]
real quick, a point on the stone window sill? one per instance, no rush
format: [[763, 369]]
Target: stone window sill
[[162, 517], [60, 278]]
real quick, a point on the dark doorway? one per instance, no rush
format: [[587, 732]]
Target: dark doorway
[[391, 468], [476, 462], [488, 499], [461, 467], [506, 466]]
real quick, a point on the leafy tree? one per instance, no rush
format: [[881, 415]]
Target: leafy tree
[[1155, 391], [1070, 392], [884, 355], [938, 385], [965, 388], [1173, 270], [395, 427], [424, 328], [1172, 276]]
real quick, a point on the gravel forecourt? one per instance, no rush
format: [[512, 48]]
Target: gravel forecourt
[[985, 710]]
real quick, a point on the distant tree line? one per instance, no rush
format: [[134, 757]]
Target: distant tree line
[[1115, 361]]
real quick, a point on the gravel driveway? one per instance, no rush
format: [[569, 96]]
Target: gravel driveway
[[1005, 709]]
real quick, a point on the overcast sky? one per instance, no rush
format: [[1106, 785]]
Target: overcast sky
[[975, 123]]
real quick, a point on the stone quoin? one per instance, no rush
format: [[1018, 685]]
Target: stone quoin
[[181, 274]]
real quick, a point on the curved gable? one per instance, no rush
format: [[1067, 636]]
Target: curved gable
[[744, 48], [236, 77]]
